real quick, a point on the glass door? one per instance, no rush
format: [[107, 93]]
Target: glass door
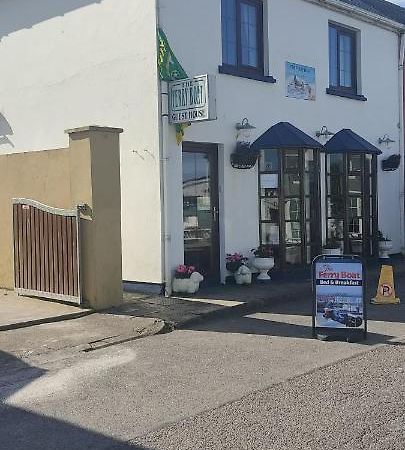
[[200, 209]]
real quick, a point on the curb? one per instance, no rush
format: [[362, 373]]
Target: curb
[[52, 319], [158, 327], [228, 311]]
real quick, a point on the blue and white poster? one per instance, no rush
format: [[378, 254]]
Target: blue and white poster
[[300, 81], [339, 294]]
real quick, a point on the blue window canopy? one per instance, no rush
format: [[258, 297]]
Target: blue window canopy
[[347, 141], [284, 135]]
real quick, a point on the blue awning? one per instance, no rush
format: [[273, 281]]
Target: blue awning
[[283, 135], [347, 141]]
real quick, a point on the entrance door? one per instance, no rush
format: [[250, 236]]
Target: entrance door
[[200, 208]]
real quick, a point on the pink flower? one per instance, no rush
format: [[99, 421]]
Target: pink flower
[[235, 257]]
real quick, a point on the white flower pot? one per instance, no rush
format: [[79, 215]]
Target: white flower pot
[[243, 275], [263, 265], [187, 285], [384, 248], [332, 251]]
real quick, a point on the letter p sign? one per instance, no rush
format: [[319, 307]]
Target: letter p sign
[[386, 290]]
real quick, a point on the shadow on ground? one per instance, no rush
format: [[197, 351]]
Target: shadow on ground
[[25, 430], [274, 320], [265, 327]]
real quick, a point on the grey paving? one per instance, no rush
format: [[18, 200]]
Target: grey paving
[[19, 312], [71, 338], [223, 301]]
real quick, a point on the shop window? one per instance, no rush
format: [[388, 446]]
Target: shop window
[[351, 202], [242, 38], [289, 204]]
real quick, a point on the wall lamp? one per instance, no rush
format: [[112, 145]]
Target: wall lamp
[[385, 140], [243, 157], [244, 130], [324, 132]]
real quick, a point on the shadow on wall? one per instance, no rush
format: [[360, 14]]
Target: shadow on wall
[[5, 132], [19, 14], [21, 429]]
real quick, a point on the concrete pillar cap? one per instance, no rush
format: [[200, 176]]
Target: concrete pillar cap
[[94, 128]]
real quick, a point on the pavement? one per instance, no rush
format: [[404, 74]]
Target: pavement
[[17, 311], [180, 311], [143, 315]]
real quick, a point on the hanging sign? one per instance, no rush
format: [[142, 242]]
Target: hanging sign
[[338, 306], [192, 99]]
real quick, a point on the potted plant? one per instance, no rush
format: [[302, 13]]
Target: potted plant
[[384, 245], [186, 279], [263, 261], [235, 263]]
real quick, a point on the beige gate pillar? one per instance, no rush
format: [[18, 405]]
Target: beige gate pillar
[[95, 181]]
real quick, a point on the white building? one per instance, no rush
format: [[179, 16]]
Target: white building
[[320, 65]]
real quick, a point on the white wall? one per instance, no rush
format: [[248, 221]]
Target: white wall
[[298, 32], [68, 63]]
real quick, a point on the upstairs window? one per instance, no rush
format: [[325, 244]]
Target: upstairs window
[[242, 35], [342, 59]]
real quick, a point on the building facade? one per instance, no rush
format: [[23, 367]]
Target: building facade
[[288, 66]]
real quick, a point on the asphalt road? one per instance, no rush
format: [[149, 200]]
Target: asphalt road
[[356, 404], [258, 381]]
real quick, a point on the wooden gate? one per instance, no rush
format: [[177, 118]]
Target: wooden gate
[[46, 251]]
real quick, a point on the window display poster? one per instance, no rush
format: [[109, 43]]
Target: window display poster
[[269, 181], [339, 296]]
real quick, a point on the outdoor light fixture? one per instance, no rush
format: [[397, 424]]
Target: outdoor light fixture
[[385, 140], [244, 131], [324, 132], [243, 157]]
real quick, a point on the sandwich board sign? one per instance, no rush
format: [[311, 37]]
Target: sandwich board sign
[[339, 308]]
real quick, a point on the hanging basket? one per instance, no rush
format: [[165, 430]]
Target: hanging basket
[[244, 158]]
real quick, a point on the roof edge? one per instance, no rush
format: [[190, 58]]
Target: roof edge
[[362, 14]]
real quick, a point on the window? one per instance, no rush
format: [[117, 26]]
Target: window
[[289, 204], [242, 38], [343, 62]]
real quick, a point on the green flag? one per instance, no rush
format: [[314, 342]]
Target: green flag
[[169, 67], [170, 70]]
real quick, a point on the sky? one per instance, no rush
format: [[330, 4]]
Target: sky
[[398, 2]]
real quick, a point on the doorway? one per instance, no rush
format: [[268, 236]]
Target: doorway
[[201, 209]]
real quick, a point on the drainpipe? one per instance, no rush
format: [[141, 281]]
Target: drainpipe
[[401, 139], [164, 158]]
